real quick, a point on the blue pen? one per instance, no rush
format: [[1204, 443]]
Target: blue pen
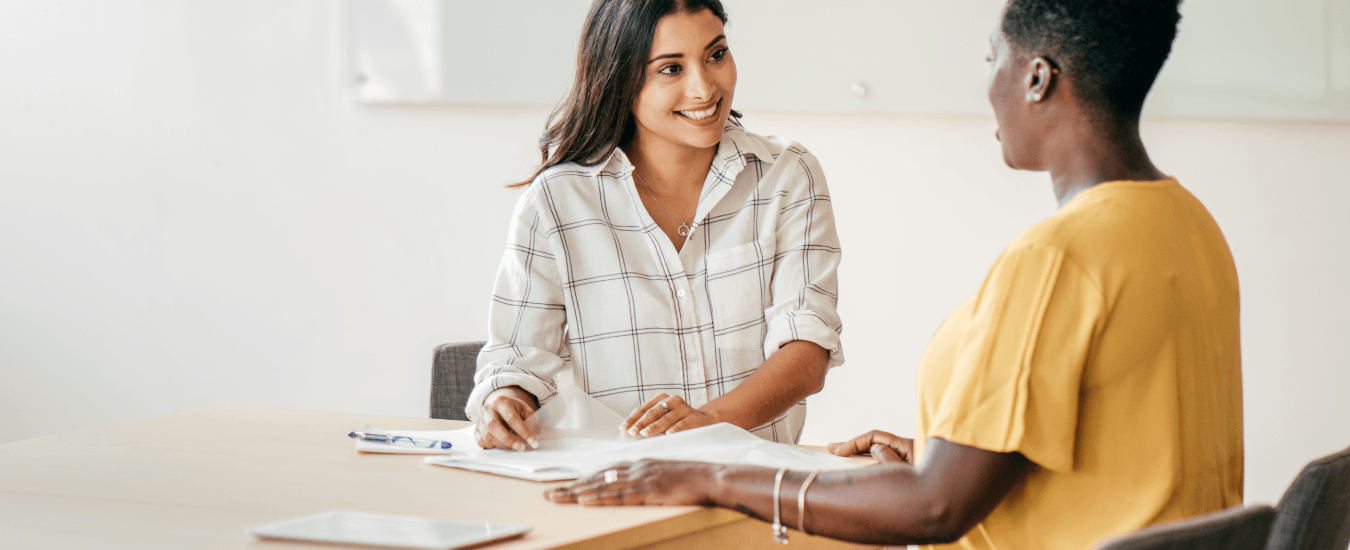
[[400, 440]]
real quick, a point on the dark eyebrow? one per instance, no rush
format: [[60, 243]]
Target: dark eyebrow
[[719, 38]]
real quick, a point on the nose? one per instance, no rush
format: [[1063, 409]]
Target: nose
[[699, 87]]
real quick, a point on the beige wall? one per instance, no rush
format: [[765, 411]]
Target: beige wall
[[191, 216]]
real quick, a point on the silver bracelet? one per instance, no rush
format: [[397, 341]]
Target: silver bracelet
[[779, 532], [801, 502]]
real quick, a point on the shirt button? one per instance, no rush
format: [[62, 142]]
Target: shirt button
[[680, 292]]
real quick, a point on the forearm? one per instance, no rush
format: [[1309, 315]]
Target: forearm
[[954, 489], [792, 373], [886, 504]]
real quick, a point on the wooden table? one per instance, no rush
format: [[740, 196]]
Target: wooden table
[[198, 479]]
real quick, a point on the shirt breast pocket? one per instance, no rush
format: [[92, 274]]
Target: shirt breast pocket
[[738, 285]]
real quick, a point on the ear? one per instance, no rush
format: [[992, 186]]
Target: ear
[[1040, 80]]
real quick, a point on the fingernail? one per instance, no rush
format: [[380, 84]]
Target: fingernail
[[633, 433], [518, 446], [534, 443], [646, 431]]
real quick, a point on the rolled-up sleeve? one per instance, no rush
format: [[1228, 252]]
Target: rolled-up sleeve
[[805, 273], [526, 326]]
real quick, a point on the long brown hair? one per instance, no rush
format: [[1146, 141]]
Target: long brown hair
[[597, 114]]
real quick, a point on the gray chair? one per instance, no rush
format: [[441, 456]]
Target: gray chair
[[1314, 513], [1235, 528], [452, 379]]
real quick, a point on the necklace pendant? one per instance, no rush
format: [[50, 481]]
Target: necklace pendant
[[683, 230]]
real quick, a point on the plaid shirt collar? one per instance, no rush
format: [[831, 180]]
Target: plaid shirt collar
[[730, 159]]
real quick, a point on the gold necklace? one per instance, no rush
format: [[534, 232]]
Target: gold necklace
[[685, 227]]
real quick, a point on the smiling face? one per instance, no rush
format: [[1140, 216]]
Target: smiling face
[[690, 78]]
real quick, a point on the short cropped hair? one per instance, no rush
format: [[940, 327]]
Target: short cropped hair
[[1113, 49]]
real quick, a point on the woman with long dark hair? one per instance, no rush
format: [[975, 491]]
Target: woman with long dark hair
[[682, 267], [1092, 385]]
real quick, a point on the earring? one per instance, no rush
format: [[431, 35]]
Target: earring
[[1035, 97]]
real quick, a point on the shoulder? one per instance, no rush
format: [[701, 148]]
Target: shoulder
[[570, 182], [1064, 241], [766, 149], [784, 167], [1059, 231], [1112, 230], [566, 177], [1119, 216]]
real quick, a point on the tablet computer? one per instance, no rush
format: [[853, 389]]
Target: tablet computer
[[361, 528]]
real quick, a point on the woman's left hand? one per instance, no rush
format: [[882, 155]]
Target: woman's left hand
[[664, 414], [653, 482]]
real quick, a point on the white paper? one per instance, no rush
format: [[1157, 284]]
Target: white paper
[[721, 443], [569, 416], [579, 436], [573, 414]]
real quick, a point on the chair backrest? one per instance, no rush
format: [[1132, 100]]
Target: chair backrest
[[452, 379], [1314, 513], [1235, 528]]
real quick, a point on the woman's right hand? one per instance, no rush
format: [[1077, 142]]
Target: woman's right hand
[[884, 446], [502, 424]]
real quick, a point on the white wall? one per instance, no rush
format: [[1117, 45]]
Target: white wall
[[190, 216]]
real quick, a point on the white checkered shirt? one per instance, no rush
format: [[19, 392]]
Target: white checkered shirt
[[590, 282]]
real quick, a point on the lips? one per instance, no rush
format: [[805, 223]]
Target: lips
[[700, 115]]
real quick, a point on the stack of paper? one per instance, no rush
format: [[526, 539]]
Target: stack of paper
[[575, 457], [579, 436]]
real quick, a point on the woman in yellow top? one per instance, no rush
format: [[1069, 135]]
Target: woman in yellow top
[[1093, 384]]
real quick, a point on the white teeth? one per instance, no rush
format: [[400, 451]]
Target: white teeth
[[700, 115]]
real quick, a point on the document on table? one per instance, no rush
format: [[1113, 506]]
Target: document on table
[[573, 458], [579, 436], [569, 415]]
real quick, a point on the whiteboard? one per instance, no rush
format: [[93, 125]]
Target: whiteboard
[[1232, 58]]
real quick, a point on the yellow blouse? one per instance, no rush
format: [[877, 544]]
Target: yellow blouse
[[1102, 346]]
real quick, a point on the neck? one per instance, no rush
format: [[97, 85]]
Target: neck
[[1094, 153], [669, 168]]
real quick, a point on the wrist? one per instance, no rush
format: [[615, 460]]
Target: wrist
[[517, 393], [719, 484], [712, 414]]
